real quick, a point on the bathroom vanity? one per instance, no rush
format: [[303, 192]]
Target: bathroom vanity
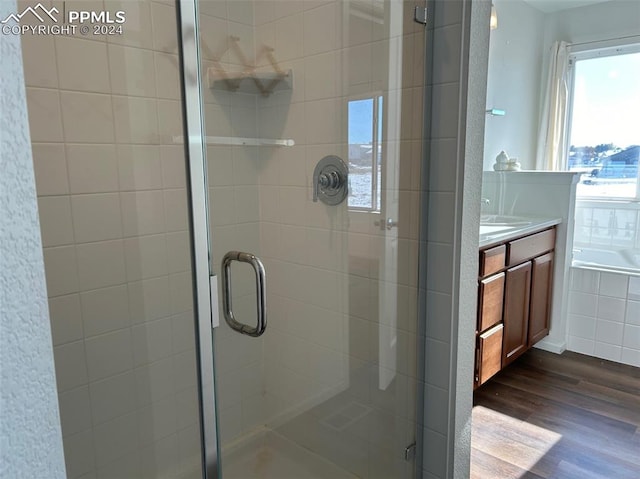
[[514, 289]]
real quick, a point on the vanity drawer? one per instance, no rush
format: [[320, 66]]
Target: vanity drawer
[[531, 246], [491, 296], [492, 260], [489, 359]]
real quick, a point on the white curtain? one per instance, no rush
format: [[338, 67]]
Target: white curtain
[[553, 124]]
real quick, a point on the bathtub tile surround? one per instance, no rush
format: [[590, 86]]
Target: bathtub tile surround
[[604, 315], [609, 225]]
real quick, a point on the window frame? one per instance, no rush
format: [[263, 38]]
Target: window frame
[[377, 98], [588, 51]]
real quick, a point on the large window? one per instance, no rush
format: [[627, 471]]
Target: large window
[[604, 131]]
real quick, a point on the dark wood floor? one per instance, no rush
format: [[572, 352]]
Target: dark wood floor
[[558, 416]]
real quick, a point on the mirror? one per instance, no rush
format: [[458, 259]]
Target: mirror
[[518, 62]]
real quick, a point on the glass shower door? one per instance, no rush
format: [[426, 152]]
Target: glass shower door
[[105, 108], [304, 102]]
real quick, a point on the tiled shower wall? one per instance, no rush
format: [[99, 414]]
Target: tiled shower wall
[[114, 219], [335, 56], [233, 176], [604, 315]]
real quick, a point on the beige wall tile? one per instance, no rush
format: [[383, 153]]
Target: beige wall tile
[[139, 167], [289, 36], [173, 166], [66, 319], [136, 120], [216, 8], [176, 210], [55, 221], [100, 264], [50, 169], [96, 217], [115, 439], [165, 36], [149, 299], [322, 29], [61, 270], [129, 71], [137, 31], [146, 257], [113, 397], [75, 410], [215, 44], [71, 368], [87, 117], [39, 59], [178, 252], [83, 65], [142, 213], [79, 453], [109, 354], [167, 78], [92, 168], [105, 310], [45, 124], [169, 120], [151, 341]]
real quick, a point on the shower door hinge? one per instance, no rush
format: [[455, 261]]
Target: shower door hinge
[[410, 452], [420, 15], [213, 295]]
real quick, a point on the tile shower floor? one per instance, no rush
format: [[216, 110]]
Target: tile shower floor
[[346, 436], [271, 456]]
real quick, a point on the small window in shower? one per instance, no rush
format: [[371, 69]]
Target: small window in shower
[[604, 137], [365, 153]]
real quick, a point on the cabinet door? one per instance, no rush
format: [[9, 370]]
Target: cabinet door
[[490, 294], [516, 312], [541, 284], [489, 354]]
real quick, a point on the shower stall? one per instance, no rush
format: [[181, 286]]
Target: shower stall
[[230, 204]]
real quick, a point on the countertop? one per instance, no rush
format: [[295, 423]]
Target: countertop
[[491, 234]]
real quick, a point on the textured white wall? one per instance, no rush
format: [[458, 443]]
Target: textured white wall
[[459, 71], [29, 421]]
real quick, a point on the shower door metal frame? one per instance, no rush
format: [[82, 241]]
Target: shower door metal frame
[[205, 299], [205, 295]]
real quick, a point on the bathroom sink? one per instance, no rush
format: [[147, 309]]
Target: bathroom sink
[[489, 229], [504, 220]]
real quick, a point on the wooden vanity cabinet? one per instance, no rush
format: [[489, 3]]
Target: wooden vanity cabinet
[[516, 312], [514, 300], [541, 287]]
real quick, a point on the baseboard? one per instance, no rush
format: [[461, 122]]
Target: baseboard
[[552, 346]]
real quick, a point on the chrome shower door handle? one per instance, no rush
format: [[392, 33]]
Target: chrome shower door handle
[[261, 293]]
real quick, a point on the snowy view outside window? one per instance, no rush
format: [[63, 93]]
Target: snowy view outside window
[[365, 153], [604, 126]]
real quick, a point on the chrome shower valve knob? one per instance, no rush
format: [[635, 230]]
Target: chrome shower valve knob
[[330, 180]]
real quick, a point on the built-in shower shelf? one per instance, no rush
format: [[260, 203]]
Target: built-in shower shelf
[[255, 82], [239, 141]]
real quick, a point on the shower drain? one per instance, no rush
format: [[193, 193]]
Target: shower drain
[[346, 416]]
